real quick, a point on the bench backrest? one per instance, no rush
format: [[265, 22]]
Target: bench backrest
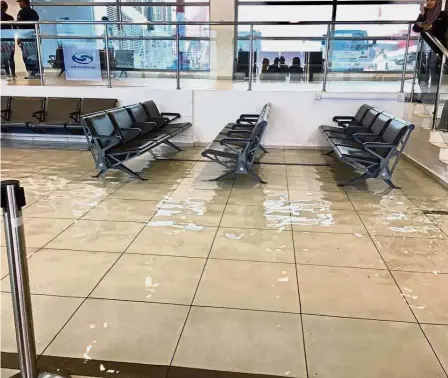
[[362, 112], [370, 117], [257, 134], [95, 105], [151, 109], [5, 107], [23, 108], [120, 118], [137, 113], [395, 131], [99, 124], [380, 123], [59, 110]]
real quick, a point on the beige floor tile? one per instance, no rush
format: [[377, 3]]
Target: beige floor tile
[[185, 193], [342, 348], [7, 373], [255, 245], [141, 190], [40, 231], [431, 203], [315, 172], [152, 278], [49, 315], [349, 292], [103, 236], [372, 186], [254, 342], [248, 285], [345, 250], [117, 209], [14, 171], [274, 156], [194, 211], [319, 201], [4, 259], [166, 238], [438, 337], [40, 186], [66, 273], [271, 216], [422, 188], [257, 196], [386, 202], [61, 205], [333, 221], [409, 225], [414, 254], [324, 184], [426, 294], [202, 182], [305, 157], [272, 180], [441, 221], [145, 332]]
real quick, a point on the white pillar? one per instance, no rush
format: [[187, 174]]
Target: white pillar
[[221, 44]]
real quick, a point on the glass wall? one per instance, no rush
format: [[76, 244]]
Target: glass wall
[[135, 47], [374, 52]]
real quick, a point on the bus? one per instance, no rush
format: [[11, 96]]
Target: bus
[[349, 55]]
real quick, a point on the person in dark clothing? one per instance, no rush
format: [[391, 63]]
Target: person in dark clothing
[[283, 69], [273, 68], [264, 65], [8, 44], [435, 21], [27, 40], [296, 70]]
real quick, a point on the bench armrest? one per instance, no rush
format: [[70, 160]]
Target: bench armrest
[[363, 137], [234, 140], [343, 118], [242, 116], [173, 116], [369, 145], [236, 133], [39, 115], [111, 138], [74, 115]]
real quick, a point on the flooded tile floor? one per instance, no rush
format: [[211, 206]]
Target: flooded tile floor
[[182, 277]]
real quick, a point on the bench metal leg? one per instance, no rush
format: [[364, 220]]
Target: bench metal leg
[[363, 177], [130, 172], [391, 184], [263, 149], [256, 177], [101, 173], [225, 174], [173, 145]]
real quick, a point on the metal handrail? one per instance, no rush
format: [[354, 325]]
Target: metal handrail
[[439, 44], [210, 23]]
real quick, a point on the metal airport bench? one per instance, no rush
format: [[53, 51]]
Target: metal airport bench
[[351, 126], [114, 138], [53, 115], [236, 149], [371, 149]]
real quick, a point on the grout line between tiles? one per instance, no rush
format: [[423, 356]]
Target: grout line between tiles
[[298, 284], [404, 297], [197, 286]]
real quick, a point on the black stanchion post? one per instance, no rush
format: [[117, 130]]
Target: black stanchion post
[[12, 201]]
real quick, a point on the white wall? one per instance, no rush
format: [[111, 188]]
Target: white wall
[[294, 120]]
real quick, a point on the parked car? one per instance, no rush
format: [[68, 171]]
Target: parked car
[[394, 60]]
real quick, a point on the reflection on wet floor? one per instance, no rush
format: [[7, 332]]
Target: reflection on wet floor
[[179, 276]]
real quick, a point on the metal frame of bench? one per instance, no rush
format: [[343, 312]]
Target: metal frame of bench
[[376, 165], [241, 152], [106, 158]]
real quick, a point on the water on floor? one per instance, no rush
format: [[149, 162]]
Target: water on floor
[[179, 276]]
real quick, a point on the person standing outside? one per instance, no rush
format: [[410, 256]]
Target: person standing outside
[[8, 44], [27, 38]]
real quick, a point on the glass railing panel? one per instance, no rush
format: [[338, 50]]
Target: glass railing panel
[[144, 62], [75, 61], [371, 57]]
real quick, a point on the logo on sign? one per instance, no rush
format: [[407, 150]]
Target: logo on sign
[[82, 58]]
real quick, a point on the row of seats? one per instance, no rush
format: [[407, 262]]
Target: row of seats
[[371, 141], [237, 145], [52, 115], [118, 135]]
